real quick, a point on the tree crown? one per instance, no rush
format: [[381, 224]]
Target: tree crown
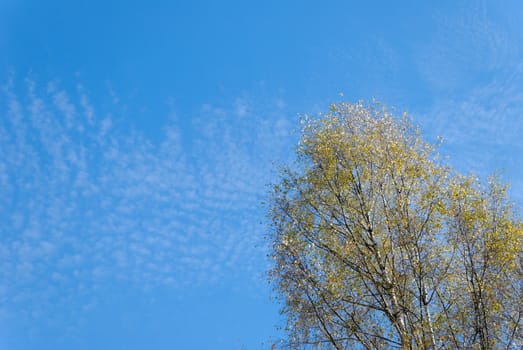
[[377, 244]]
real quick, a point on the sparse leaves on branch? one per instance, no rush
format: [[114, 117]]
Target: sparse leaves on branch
[[377, 245]]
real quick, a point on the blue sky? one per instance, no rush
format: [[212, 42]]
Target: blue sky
[[138, 140]]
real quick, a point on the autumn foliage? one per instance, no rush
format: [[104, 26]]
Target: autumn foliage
[[378, 245]]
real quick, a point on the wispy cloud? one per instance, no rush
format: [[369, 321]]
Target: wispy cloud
[[472, 67], [472, 42], [86, 204]]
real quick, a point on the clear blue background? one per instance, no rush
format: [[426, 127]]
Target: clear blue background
[[138, 139]]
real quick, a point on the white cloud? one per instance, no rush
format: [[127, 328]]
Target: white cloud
[[472, 68], [474, 40], [88, 203]]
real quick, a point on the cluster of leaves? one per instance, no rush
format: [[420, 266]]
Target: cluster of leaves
[[378, 245]]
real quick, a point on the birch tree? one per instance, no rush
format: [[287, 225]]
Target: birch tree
[[378, 245]]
